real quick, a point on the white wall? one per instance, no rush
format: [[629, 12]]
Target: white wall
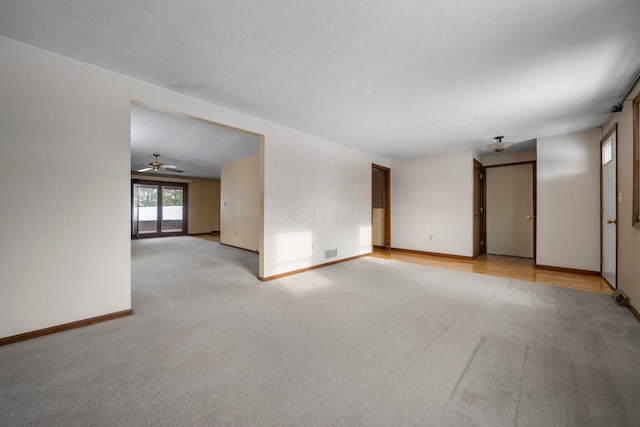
[[64, 141], [73, 261], [240, 203], [319, 199], [568, 187], [432, 203]]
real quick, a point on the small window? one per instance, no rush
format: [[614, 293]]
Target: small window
[[607, 152]]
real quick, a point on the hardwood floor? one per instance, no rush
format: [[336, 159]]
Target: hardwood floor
[[493, 265], [504, 266]]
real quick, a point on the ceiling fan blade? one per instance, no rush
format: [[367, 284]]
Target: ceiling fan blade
[[170, 167], [172, 170], [144, 170]]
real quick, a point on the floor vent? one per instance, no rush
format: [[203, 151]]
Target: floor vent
[[620, 298], [330, 253]]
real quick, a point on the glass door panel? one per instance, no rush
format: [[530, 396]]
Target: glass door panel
[[172, 209], [147, 209]]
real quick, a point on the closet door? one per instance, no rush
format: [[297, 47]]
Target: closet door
[[510, 210]]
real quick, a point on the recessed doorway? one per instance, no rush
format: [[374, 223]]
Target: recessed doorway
[[381, 207]]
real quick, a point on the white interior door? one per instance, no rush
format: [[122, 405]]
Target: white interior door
[[509, 210], [609, 211]]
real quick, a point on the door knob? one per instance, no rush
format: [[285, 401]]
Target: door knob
[[612, 221], [528, 217]]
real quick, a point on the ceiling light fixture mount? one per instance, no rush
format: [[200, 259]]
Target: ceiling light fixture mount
[[499, 146]]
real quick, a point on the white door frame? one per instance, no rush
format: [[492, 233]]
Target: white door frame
[[609, 207]]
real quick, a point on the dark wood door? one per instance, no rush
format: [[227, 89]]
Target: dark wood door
[[478, 209]]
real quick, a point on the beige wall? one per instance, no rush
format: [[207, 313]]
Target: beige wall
[[628, 237], [204, 205], [240, 203]]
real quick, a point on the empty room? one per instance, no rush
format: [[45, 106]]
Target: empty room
[[320, 213]]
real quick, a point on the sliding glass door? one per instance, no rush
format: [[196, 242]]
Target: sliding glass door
[[158, 209]]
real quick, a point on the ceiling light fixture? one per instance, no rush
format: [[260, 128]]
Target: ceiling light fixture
[[499, 146], [158, 166]]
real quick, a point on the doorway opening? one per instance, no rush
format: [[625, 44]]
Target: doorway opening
[[381, 207], [510, 210], [207, 159]]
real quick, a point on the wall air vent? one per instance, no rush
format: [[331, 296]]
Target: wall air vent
[[330, 254], [620, 298]]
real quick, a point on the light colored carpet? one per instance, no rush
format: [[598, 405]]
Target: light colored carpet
[[370, 342]]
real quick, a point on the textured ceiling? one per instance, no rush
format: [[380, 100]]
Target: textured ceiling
[[388, 77], [197, 148]]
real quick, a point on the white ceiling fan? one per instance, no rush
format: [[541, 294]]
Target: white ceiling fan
[[157, 166]]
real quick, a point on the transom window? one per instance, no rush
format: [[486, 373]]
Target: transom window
[[607, 152]]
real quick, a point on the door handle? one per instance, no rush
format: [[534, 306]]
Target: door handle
[[612, 221], [528, 217]]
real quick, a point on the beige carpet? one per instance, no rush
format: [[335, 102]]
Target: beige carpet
[[370, 342]]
